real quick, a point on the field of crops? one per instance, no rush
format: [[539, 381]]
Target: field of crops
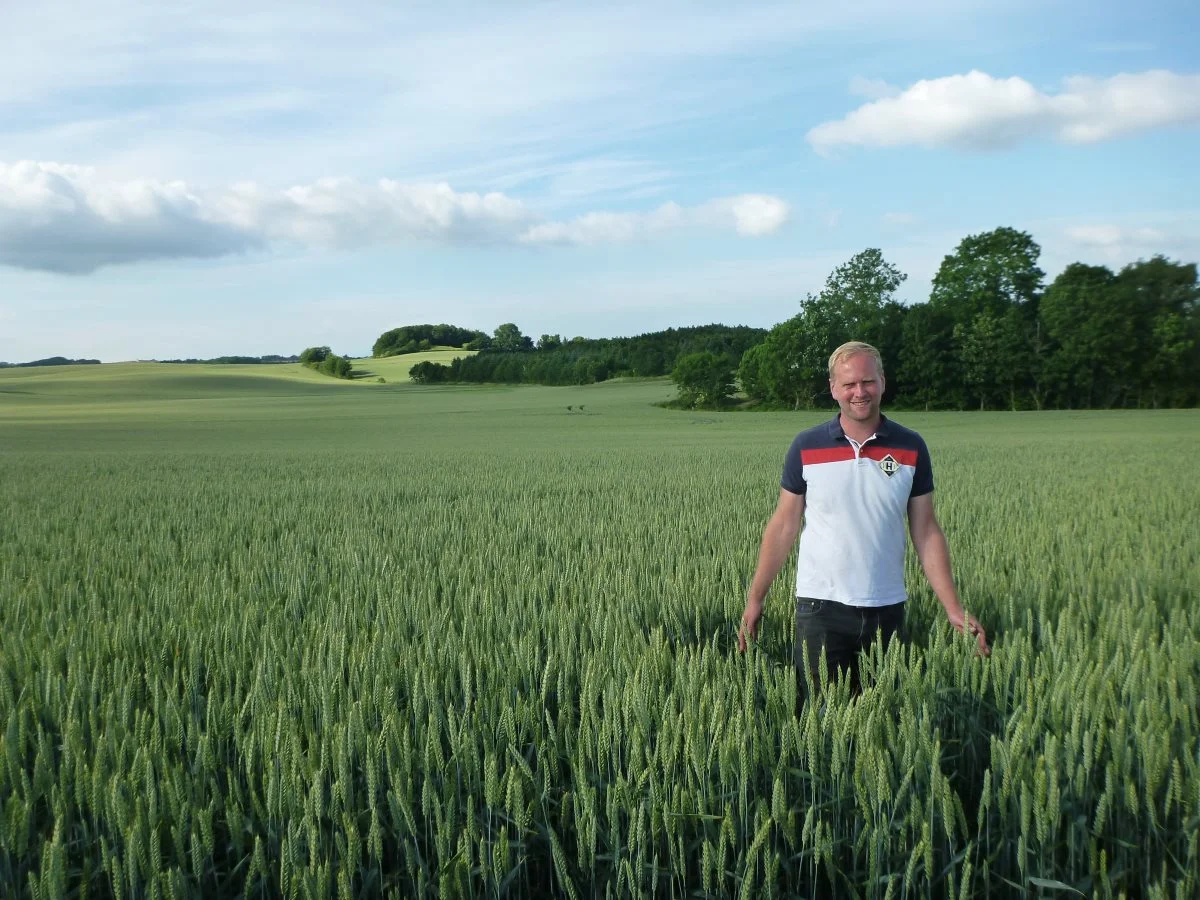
[[311, 640]]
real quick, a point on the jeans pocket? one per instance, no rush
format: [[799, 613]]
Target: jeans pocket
[[807, 607]]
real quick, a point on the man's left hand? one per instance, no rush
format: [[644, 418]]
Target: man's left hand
[[973, 628]]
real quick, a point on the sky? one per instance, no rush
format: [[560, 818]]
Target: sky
[[195, 179]]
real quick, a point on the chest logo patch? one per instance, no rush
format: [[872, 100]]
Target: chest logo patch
[[889, 465]]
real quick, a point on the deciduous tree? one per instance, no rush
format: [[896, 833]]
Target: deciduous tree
[[508, 339], [704, 379]]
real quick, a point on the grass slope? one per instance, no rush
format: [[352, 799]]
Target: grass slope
[[131, 382], [191, 407], [395, 368]]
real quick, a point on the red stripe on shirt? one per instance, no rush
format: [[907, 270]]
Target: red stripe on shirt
[[826, 455], [845, 453]]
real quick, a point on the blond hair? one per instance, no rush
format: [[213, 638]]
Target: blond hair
[[853, 348]]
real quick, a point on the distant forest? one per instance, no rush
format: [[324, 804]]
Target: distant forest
[[217, 360], [51, 361], [510, 357], [270, 358], [992, 335]]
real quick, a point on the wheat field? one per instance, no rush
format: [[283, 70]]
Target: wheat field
[[300, 641]]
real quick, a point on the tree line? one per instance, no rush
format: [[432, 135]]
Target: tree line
[[992, 335], [268, 359], [51, 361], [514, 358]]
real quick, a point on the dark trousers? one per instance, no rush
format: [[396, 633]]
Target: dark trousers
[[843, 632]]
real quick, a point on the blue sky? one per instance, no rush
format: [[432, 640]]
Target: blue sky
[[196, 179]]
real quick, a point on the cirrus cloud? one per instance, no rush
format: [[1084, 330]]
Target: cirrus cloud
[[69, 219], [977, 111]]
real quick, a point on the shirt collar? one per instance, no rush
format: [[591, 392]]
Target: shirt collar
[[836, 432]]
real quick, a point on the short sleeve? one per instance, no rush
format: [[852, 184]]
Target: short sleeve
[[793, 470], [923, 478]]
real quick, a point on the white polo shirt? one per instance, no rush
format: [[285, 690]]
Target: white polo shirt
[[855, 510]]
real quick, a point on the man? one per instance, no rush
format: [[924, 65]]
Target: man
[[853, 481]]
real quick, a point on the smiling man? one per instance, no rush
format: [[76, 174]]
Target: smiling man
[[853, 482]]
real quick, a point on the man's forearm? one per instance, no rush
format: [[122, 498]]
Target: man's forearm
[[776, 545], [935, 561]]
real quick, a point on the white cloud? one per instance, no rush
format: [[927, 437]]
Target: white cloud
[[607, 227], [64, 219], [69, 219], [750, 215], [1096, 109], [342, 213], [979, 112], [756, 214]]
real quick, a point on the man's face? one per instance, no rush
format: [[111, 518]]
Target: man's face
[[857, 386]]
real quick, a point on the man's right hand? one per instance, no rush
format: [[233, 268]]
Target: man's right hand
[[749, 630]]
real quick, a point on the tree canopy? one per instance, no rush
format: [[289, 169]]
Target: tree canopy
[[508, 339], [415, 338], [992, 336], [704, 379], [311, 355], [327, 362]]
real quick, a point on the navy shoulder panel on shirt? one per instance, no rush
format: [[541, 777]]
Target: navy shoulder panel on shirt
[[819, 436], [892, 432]]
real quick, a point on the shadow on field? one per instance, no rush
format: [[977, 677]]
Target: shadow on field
[[966, 722]]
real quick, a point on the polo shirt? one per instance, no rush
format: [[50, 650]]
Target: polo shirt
[[855, 510]]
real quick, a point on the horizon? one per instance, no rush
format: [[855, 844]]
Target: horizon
[[352, 356], [243, 184]]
